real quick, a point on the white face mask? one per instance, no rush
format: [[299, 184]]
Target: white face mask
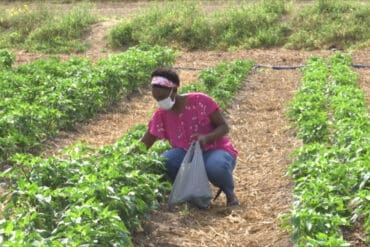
[[167, 103]]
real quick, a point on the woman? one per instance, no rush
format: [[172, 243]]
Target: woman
[[183, 118]]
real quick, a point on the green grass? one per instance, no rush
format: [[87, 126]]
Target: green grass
[[42, 29], [191, 25], [63, 33], [320, 24], [331, 24], [176, 24], [250, 26], [17, 23], [185, 25]]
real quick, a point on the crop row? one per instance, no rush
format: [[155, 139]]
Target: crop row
[[331, 171], [44, 96], [221, 82], [86, 196]]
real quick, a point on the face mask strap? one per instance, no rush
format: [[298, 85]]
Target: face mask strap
[[166, 101], [171, 93]]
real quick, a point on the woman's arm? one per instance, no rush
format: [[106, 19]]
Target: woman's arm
[[148, 139], [220, 124], [221, 129]]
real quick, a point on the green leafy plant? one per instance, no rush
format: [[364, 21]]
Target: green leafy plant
[[85, 196], [222, 82], [308, 109], [330, 174], [6, 59], [88, 196], [44, 96]]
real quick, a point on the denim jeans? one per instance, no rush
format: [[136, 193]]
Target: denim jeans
[[219, 165]]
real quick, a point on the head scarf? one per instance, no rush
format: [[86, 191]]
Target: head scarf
[[162, 81]]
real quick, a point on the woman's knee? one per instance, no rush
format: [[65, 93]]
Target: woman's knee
[[218, 171], [219, 166], [219, 161], [173, 159]]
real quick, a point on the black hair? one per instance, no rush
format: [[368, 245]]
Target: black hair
[[167, 73]]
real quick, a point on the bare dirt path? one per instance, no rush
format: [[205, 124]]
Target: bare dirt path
[[96, 39], [364, 82], [363, 73]]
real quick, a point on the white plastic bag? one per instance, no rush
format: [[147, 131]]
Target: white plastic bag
[[191, 183]]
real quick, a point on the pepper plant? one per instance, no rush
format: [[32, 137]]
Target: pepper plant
[[42, 97], [331, 172]]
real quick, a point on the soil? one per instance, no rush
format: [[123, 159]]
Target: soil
[[259, 130]]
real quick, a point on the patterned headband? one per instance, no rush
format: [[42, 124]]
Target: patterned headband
[[162, 81]]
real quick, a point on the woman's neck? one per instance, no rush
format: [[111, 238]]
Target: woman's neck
[[180, 103]]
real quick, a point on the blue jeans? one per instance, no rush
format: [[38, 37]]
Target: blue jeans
[[219, 166]]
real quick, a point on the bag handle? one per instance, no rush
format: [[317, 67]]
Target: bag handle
[[217, 194]]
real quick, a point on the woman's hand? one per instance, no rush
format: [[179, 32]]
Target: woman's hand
[[203, 139], [221, 129]]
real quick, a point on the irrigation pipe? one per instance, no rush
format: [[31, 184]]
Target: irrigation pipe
[[361, 66], [276, 67]]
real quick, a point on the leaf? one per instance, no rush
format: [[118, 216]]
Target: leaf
[[364, 181], [308, 225]]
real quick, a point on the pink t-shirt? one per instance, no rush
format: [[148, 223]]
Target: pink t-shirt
[[195, 119]]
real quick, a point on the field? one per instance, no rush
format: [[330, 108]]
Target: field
[[264, 128]]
